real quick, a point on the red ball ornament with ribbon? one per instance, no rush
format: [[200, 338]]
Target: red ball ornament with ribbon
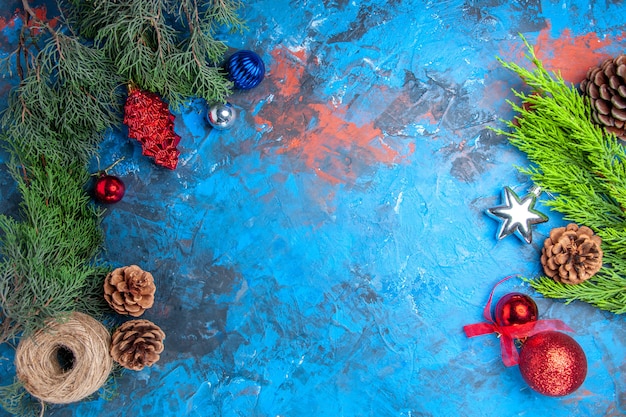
[[516, 308], [509, 327], [109, 189], [553, 363]]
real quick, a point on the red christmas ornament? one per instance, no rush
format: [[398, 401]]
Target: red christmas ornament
[[552, 363], [515, 308], [109, 189], [150, 122], [508, 333]]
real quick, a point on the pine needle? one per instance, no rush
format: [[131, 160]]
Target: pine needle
[[583, 167]]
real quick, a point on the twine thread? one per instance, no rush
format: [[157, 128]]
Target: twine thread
[[38, 367]]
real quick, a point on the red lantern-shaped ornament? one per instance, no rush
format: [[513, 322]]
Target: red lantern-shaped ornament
[[109, 189], [150, 122], [515, 308], [553, 363]]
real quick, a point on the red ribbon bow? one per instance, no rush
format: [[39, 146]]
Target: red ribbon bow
[[508, 334]]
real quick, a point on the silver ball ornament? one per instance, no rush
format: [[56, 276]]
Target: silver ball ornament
[[221, 116]]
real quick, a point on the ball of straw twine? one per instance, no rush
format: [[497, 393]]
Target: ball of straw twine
[[66, 361]]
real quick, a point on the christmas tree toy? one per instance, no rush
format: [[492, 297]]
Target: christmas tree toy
[[150, 121]]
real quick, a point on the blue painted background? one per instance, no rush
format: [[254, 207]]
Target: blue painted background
[[321, 257]]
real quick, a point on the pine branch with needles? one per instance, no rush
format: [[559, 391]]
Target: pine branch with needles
[[582, 166], [164, 46]]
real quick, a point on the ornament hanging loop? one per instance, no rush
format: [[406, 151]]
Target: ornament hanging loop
[[106, 170], [535, 190], [110, 167]]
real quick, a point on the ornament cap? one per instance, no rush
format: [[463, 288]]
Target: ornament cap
[[535, 190]]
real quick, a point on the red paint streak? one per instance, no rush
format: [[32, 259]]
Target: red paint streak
[[42, 14], [318, 134], [20, 16], [498, 90], [288, 71], [330, 147], [429, 118], [10, 23], [571, 55]]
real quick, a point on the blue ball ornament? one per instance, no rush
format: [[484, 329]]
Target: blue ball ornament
[[245, 69]]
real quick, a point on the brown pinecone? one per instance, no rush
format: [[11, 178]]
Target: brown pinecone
[[605, 85], [137, 343], [571, 254], [129, 290]]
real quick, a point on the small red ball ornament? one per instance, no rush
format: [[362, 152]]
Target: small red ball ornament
[[552, 363], [515, 308], [109, 189]]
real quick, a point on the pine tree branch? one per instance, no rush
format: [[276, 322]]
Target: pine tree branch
[[47, 266], [583, 167], [163, 46], [41, 23], [18, 402]]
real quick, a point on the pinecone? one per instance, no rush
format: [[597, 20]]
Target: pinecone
[[129, 290], [571, 254], [136, 344], [605, 86]]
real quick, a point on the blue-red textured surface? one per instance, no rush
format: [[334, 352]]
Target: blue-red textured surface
[[321, 257]]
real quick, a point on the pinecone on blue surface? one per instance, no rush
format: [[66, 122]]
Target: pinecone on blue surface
[[136, 344], [605, 85], [129, 290], [571, 254]]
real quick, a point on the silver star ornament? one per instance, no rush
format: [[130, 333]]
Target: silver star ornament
[[517, 216]]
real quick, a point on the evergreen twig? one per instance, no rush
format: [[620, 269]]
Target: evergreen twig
[[62, 106], [583, 166], [47, 267], [164, 46], [16, 400]]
